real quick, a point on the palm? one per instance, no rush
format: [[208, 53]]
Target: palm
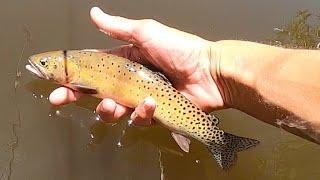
[[182, 57]]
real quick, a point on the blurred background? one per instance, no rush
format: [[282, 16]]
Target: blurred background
[[38, 141]]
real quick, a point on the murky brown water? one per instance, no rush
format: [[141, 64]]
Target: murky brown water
[[56, 143]]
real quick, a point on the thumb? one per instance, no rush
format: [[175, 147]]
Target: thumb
[[114, 26]]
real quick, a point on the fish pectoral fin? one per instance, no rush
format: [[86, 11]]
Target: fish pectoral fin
[[183, 142], [83, 88]]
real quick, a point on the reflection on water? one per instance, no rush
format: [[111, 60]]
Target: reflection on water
[[303, 31], [68, 142]]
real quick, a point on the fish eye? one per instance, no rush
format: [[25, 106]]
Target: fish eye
[[43, 61]]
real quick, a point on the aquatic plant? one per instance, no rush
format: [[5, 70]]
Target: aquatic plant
[[302, 32]]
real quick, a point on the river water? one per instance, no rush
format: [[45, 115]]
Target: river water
[[38, 141]]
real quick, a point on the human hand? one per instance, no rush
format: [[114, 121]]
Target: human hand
[[185, 59]]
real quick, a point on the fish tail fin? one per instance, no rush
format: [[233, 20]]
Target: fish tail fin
[[226, 154]]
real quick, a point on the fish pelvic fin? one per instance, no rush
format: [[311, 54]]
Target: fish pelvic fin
[[226, 154], [183, 142]]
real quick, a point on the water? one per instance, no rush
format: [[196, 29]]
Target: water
[[38, 141]]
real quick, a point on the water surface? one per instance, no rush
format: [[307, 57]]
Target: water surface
[[67, 143]]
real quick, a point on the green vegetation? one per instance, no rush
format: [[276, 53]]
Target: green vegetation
[[302, 32]]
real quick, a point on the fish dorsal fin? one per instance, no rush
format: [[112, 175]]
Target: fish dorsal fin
[[163, 77], [83, 88], [183, 142]]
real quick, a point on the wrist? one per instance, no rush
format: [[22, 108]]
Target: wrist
[[238, 67]]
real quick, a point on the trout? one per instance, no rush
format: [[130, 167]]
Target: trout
[[109, 76]]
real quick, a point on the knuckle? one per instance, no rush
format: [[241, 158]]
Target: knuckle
[[144, 26]]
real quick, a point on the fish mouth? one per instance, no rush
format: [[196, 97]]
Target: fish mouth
[[36, 70]]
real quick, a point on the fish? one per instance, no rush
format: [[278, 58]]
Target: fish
[[104, 75]]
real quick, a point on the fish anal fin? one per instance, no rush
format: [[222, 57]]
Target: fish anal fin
[[226, 154], [183, 142], [83, 89]]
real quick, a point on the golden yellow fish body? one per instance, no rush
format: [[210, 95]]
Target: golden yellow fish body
[[129, 83]]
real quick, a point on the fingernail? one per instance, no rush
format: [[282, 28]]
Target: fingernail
[[133, 116], [148, 103], [97, 9], [107, 103]]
